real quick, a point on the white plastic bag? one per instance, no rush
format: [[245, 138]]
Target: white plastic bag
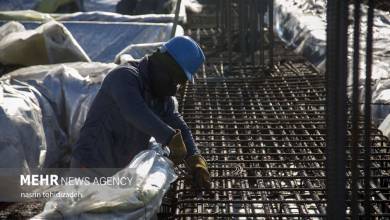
[[151, 175]]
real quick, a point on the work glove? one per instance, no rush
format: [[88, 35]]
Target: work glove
[[199, 173], [177, 148]]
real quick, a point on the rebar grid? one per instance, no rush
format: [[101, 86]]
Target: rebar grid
[[263, 135], [264, 140]]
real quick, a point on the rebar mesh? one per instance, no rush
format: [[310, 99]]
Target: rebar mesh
[[264, 140], [263, 135]]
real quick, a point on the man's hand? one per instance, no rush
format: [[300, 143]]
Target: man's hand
[[177, 147], [199, 172]]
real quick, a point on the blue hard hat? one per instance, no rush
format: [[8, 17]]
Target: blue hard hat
[[187, 53]]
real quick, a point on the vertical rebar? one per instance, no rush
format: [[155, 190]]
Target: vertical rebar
[[245, 30], [336, 99], [241, 24], [217, 13], [367, 110], [261, 9], [229, 31], [355, 112], [177, 11], [252, 33], [223, 18], [271, 33]]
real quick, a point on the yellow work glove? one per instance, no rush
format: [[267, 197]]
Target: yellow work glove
[[197, 166], [178, 148]]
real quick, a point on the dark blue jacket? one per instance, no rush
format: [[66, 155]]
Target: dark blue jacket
[[123, 117]]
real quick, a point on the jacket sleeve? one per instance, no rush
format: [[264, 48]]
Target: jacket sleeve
[[123, 86], [175, 120]]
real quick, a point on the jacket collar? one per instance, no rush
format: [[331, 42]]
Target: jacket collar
[[145, 74]]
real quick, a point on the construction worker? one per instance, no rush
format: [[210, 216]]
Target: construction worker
[[136, 102]]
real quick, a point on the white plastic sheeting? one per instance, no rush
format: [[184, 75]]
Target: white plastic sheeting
[[102, 41], [302, 25], [385, 126], [88, 70], [115, 17], [100, 5], [110, 6], [113, 37], [30, 135], [136, 51], [30, 15], [299, 24], [42, 109], [73, 94], [47, 44], [150, 173], [381, 98], [70, 88], [10, 27], [24, 15]]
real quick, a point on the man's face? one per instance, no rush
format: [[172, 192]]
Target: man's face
[[166, 77], [163, 84]]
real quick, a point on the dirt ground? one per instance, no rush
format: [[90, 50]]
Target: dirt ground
[[21, 210]]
